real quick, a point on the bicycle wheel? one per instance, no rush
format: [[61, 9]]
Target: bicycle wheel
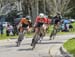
[[35, 41]]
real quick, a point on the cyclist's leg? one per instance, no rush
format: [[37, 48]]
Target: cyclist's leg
[[45, 28], [35, 39], [56, 30], [20, 38], [35, 36], [42, 33], [36, 31], [52, 34], [21, 35]]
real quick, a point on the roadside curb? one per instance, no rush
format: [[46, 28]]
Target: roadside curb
[[64, 52]]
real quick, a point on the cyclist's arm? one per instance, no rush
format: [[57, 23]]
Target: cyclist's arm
[[21, 21], [36, 21]]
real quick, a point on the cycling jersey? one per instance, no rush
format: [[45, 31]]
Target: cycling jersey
[[48, 21], [57, 19], [40, 21], [24, 22]]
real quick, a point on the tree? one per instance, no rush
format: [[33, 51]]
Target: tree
[[50, 7], [11, 16], [61, 6], [72, 13]]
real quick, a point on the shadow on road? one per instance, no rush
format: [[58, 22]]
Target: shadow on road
[[46, 42], [28, 49], [8, 46], [50, 43]]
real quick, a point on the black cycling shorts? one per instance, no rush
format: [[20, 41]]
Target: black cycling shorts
[[39, 24], [25, 25]]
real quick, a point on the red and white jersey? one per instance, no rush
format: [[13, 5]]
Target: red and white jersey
[[38, 19], [43, 20]]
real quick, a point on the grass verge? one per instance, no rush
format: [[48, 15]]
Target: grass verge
[[70, 46]]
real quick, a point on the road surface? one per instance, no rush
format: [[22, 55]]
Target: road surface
[[44, 49]]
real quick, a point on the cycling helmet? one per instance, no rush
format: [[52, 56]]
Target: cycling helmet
[[28, 18], [41, 15]]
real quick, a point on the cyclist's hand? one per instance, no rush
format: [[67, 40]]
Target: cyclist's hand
[[44, 26], [34, 25]]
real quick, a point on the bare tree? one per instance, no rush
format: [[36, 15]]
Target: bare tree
[[34, 7], [58, 6]]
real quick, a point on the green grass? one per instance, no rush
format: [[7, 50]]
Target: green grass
[[70, 46], [3, 37], [62, 33], [73, 24]]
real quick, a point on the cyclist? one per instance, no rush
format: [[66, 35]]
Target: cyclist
[[47, 23], [40, 20], [30, 23], [57, 21], [57, 24], [22, 27]]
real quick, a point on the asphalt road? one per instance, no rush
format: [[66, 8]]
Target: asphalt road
[[44, 49]]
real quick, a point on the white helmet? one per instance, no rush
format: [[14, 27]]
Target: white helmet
[[41, 15]]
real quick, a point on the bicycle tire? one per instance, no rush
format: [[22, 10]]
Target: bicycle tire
[[34, 41]]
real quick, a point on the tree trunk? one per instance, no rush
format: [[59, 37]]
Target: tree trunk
[[44, 6], [29, 11], [35, 10]]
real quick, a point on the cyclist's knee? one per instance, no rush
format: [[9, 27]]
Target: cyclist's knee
[[36, 30]]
